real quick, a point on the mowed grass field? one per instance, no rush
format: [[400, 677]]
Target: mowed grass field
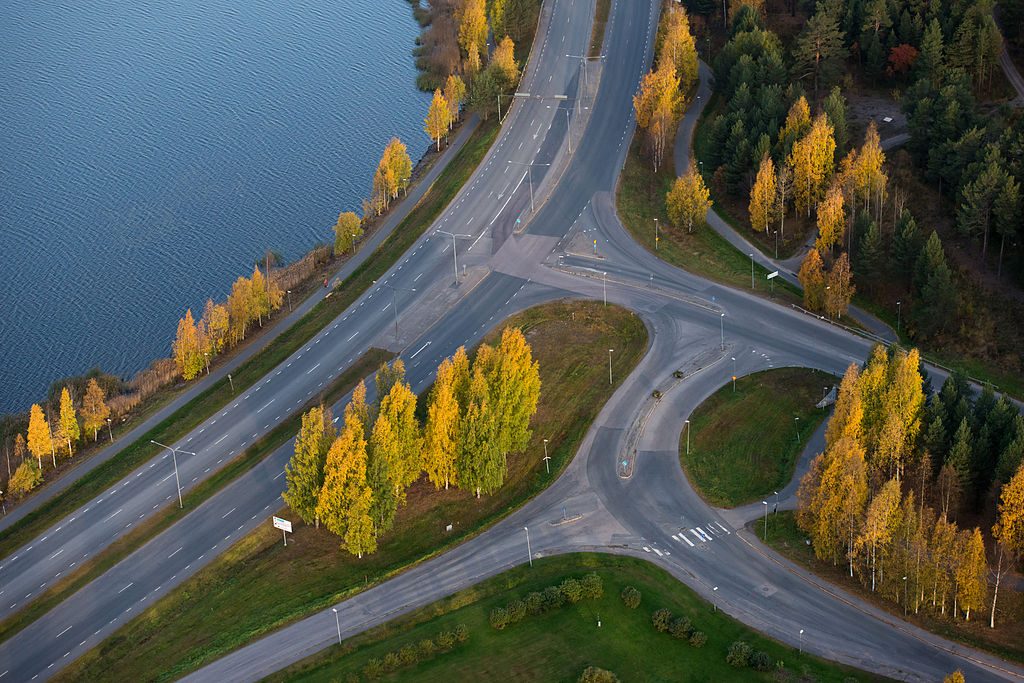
[[744, 444], [259, 585], [559, 645]]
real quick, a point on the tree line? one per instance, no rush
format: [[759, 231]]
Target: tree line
[[224, 325], [884, 497], [56, 435], [355, 479]]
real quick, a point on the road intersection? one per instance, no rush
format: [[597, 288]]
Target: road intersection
[[654, 509]]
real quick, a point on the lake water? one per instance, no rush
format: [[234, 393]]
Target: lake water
[[150, 151]]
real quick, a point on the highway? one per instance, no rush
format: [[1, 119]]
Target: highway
[[643, 515]]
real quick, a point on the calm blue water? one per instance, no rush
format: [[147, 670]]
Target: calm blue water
[[150, 151]]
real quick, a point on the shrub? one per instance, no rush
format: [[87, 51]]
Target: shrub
[[553, 597], [593, 674], [516, 611], [680, 628], [630, 597], [662, 619], [461, 633], [572, 590], [426, 648], [408, 655], [698, 638], [761, 661], [739, 654], [391, 661], [593, 586], [351, 678], [534, 603], [373, 669], [499, 618], [445, 640]]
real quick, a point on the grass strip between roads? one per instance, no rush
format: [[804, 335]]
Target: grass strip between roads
[[206, 404], [601, 11], [258, 585], [1006, 640], [641, 199], [560, 644], [744, 442], [203, 491]]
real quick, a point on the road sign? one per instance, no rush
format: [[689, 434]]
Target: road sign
[[282, 524], [772, 275]]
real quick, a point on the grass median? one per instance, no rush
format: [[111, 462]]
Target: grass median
[[744, 443], [559, 644], [1006, 640], [641, 200], [203, 491], [196, 411], [258, 585]]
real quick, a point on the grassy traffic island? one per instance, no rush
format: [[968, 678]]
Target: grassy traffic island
[[258, 585], [1007, 641], [560, 642], [744, 442]]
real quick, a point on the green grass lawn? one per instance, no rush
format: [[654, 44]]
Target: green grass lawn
[[558, 645], [744, 443], [259, 585], [204, 490], [193, 413], [1006, 640], [641, 199]]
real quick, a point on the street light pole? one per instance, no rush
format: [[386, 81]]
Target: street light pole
[[394, 300], [714, 603], [801, 641], [547, 460], [529, 175], [110, 430], [604, 286], [174, 459], [776, 245], [206, 355], [289, 300], [751, 270], [455, 258], [337, 622], [529, 552], [722, 319], [686, 423], [610, 366], [765, 503], [734, 374], [898, 318], [231, 382], [796, 421], [656, 238]]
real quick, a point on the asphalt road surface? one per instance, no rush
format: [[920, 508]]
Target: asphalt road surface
[[653, 513]]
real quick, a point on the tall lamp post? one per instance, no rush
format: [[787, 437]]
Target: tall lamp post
[[686, 423], [547, 460], [455, 258], [898, 317], [529, 175], [337, 622], [610, 366], [657, 239], [722, 319], [529, 552], [110, 430], [394, 300], [765, 503], [174, 459]]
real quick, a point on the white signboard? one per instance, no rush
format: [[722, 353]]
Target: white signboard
[[773, 275], [282, 524]]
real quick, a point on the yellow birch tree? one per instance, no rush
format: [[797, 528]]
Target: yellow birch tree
[[812, 280], [40, 439], [831, 220], [689, 200], [763, 196], [187, 354], [347, 231], [455, 96], [438, 115], [94, 408], [344, 499], [441, 431], [67, 424]]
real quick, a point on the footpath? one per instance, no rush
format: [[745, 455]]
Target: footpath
[[681, 154], [381, 233]]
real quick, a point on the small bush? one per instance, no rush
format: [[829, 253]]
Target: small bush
[[461, 633], [572, 590], [553, 597], [698, 639], [445, 640], [391, 661], [662, 619], [408, 655], [593, 674], [761, 661], [426, 648], [351, 678], [534, 603], [681, 628], [739, 655], [499, 618], [374, 669], [516, 611], [630, 597], [593, 586]]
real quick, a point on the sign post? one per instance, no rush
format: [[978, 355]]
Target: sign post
[[771, 276], [285, 526]]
